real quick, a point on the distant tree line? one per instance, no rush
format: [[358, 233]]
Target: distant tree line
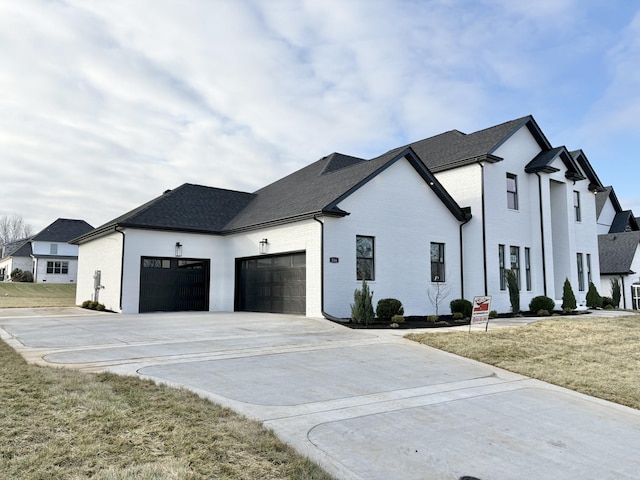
[[13, 228]]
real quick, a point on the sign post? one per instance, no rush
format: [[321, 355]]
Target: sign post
[[480, 313]]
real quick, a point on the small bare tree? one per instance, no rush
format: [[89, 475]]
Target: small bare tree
[[13, 228], [437, 293]]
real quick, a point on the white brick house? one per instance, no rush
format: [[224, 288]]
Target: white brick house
[[453, 210]]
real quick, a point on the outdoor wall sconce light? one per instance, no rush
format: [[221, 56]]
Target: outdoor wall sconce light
[[263, 245], [178, 249]]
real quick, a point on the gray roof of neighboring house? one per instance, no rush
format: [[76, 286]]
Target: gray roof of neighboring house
[[62, 230], [18, 248], [617, 251]]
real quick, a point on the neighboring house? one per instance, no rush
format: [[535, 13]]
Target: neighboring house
[[619, 245], [449, 213], [47, 255]]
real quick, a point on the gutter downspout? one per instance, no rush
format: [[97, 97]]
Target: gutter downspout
[[121, 265], [624, 296], [324, 314], [544, 259], [484, 231], [462, 258]]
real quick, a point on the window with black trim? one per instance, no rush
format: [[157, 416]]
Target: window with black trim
[[515, 262], [437, 262], [512, 191], [365, 258], [501, 260], [576, 206], [56, 268], [580, 272], [527, 267], [53, 249], [589, 279]]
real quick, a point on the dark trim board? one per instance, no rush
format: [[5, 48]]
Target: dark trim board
[[271, 283]]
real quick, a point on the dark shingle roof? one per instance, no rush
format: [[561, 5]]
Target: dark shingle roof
[[63, 230], [617, 251], [623, 222], [189, 208], [544, 160], [454, 148]]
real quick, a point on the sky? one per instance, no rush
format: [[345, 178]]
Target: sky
[[104, 105]]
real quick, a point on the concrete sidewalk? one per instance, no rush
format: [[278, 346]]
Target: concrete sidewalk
[[363, 404]]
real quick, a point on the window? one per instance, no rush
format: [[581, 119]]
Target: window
[[364, 258], [156, 263], [437, 262], [515, 262], [589, 279], [512, 191], [503, 280], [580, 272], [58, 268], [576, 206], [527, 267], [53, 249]]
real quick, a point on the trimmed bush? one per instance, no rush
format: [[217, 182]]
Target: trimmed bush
[[493, 314], [568, 298], [607, 302], [397, 319], [543, 313], [460, 305], [541, 302], [432, 318], [388, 307], [458, 316], [362, 307], [594, 300]]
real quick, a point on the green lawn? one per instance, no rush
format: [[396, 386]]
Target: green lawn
[[37, 294], [59, 423], [596, 356]]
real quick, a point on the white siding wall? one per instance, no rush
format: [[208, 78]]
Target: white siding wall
[[23, 263], [64, 249], [297, 237], [149, 243], [403, 214], [102, 254], [606, 217], [41, 275]]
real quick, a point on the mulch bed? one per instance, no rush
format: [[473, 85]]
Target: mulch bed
[[444, 321]]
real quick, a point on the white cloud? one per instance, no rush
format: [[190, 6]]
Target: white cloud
[[106, 104]]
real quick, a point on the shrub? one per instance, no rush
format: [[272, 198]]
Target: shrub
[[432, 318], [16, 275], [594, 300], [462, 306], [542, 302], [397, 319], [493, 314], [514, 290], [388, 307], [458, 316], [93, 305], [615, 292], [607, 302], [543, 313], [86, 303], [362, 308], [100, 307], [27, 276], [568, 298]]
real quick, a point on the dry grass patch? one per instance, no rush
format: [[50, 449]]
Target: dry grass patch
[[15, 294], [59, 423], [599, 357]]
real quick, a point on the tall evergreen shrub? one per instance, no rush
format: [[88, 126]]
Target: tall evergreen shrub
[[568, 298], [362, 307], [594, 300], [514, 290], [616, 293]]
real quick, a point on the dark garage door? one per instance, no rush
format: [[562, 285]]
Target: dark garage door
[[275, 284], [173, 284]]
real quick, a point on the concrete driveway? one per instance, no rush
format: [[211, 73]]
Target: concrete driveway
[[364, 404]]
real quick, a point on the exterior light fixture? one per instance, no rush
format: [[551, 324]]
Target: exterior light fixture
[[178, 249], [264, 243]]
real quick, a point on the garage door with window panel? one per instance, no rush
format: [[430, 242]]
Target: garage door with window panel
[[274, 284], [173, 284]]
